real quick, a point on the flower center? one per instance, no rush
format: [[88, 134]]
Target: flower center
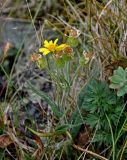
[[52, 47]]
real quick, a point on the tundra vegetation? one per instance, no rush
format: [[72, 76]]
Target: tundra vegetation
[[63, 80]]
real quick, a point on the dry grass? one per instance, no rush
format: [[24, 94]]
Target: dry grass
[[103, 34]]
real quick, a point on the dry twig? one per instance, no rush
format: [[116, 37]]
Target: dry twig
[[89, 152]]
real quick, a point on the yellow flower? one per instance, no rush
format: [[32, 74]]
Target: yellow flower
[[61, 47], [51, 47]]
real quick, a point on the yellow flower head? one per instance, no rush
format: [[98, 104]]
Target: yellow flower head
[[51, 47]]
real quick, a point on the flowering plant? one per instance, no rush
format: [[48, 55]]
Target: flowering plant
[[60, 53], [52, 47]]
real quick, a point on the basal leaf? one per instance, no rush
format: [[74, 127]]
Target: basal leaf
[[48, 99], [120, 71], [114, 86], [121, 92], [116, 79], [119, 81]]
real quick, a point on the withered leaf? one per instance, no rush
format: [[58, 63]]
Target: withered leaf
[[5, 141], [39, 151]]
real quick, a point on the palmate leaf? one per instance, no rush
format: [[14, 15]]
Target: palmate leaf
[[102, 137], [92, 120], [76, 118], [97, 100], [91, 94]]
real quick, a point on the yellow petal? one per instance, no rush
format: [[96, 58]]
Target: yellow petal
[[45, 51], [61, 47], [46, 43], [56, 41], [51, 42]]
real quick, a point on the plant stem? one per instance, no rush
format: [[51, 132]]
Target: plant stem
[[113, 142], [125, 145], [89, 152]]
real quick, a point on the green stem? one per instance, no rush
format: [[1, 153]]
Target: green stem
[[125, 145], [113, 142], [121, 129]]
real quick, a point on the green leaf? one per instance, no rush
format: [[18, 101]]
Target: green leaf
[[69, 152], [116, 79], [95, 100], [102, 137], [83, 62], [62, 128], [92, 120], [119, 81], [73, 42], [114, 86], [46, 134], [66, 58], [41, 63], [48, 99], [120, 72], [76, 119], [60, 63], [84, 93], [121, 92]]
